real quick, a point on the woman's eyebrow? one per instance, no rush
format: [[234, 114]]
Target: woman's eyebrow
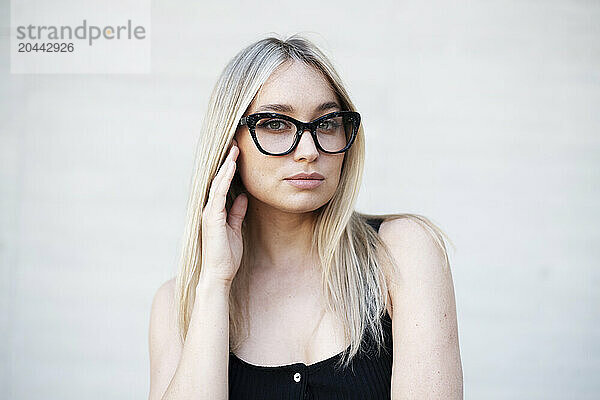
[[288, 108]]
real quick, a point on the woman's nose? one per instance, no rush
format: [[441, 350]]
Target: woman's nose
[[306, 147]]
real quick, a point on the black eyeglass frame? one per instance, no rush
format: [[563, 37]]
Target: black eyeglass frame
[[252, 119]]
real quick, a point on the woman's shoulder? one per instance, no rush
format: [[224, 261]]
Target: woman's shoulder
[[403, 232], [166, 291], [416, 243], [163, 326], [165, 345], [404, 224], [393, 222]]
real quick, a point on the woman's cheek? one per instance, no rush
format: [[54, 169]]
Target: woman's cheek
[[256, 184]]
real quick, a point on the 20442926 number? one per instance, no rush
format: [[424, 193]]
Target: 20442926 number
[[46, 47]]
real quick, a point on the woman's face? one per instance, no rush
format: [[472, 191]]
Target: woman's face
[[299, 91]]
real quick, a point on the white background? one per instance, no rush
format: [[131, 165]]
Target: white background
[[481, 115]]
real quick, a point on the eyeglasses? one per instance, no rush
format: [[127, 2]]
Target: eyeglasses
[[278, 134]]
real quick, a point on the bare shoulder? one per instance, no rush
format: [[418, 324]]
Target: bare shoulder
[[163, 339], [163, 314], [163, 306], [416, 244], [165, 293]]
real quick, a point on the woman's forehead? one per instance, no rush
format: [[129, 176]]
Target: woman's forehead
[[296, 99], [295, 88], [290, 108], [295, 79]]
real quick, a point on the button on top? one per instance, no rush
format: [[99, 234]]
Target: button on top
[[297, 376]]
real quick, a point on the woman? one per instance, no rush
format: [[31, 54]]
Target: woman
[[284, 291]]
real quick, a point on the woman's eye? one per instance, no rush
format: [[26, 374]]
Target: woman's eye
[[273, 125], [328, 125]]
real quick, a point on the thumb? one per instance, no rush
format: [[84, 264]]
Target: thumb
[[237, 212]]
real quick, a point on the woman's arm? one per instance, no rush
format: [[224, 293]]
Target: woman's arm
[[427, 362], [198, 369]]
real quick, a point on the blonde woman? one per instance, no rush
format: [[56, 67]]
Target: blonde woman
[[285, 291]]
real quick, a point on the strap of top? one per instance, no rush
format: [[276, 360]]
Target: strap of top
[[375, 223]]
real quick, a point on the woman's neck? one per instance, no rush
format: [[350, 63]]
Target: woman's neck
[[281, 240]]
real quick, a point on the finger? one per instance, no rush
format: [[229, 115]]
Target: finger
[[220, 195], [237, 212], [225, 178], [216, 182]]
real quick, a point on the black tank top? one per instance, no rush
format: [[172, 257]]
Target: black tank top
[[368, 376]]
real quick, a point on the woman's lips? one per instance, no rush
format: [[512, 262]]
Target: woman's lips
[[305, 183]]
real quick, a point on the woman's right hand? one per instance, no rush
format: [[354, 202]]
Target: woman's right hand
[[222, 243]]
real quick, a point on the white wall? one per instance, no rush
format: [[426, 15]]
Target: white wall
[[482, 116]]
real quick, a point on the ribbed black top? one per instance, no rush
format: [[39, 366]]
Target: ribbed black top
[[368, 375]]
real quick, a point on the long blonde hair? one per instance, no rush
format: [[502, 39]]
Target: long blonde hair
[[354, 272]]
